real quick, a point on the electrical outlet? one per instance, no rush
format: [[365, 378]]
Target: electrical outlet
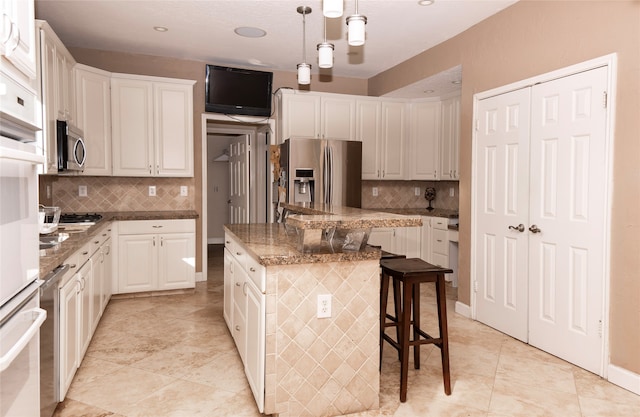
[[416, 191], [452, 192], [374, 190], [82, 191], [152, 191], [324, 305], [184, 190]]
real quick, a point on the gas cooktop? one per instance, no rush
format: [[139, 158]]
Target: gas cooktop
[[86, 219]]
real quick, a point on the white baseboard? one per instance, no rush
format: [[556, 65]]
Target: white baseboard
[[200, 277], [624, 378], [463, 309], [215, 240]]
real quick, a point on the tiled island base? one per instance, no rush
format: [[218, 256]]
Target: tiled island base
[[322, 366]]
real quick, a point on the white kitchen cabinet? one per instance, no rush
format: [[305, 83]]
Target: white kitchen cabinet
[[450, 139], [85, 278], [156, 255], [69, 342], [400, 241], [55, 71], [393, 133], [17, 39], [423, 155], [227, 311], [93, 117], [108, 272], [152, 126], [315, 115], [425, 235], [247, 322], [368, 132]]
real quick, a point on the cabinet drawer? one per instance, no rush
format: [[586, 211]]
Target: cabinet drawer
[[84, 253], [440, 260], [257, 273], [440, 223], [440, 242], [137, 227]]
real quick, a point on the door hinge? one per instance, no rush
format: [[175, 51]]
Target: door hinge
[[600, 328], [477, 125], [604, 99], [475, 286]]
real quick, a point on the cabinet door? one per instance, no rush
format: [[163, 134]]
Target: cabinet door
[[300, 116], [393, 137], [173, 129], [176, 259], [255, 342], [132, 127], [137, 263], [85, 276], [49, 102], [108, 273], [424, 156], [239, 331], [368, 132], [93, 116], [425, 249], [383, 237], [338, 115], [408, 241], [18, 44], [97, 286], [227, 311], [69, 342], [450, 137], [64, 72]]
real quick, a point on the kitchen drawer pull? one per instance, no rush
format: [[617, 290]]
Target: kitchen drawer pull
[[157, 227], [439, 240], [72, 266], [96, 242], [237, 327], [237, 284], [252, 269], [85, 253], [239, 253]]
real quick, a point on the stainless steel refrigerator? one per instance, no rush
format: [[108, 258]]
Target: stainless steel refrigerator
[[322, 171]]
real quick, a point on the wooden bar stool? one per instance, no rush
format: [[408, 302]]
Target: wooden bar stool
[[409, 274]]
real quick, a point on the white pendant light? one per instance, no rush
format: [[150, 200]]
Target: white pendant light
[[356, 24], [325, 51], [304, 69], [332, 8]]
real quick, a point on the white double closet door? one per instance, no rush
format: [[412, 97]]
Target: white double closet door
[[540, 212]]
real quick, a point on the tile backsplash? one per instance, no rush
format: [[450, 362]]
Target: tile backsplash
[[117, 193], [401, 194]]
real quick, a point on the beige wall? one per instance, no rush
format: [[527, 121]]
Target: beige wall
[[532, 38], [195, 70]]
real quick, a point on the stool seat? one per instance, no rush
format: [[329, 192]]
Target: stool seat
[[409, 273]]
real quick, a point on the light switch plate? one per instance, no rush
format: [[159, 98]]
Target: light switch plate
[[184, 191], [82, 191], [152, 191], [374, 190], [451, 192], [416, 191]]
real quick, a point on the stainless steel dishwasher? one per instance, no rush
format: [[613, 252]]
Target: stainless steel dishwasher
[[49, 342]]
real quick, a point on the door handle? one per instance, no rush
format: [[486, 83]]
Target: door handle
[[534, 229], [519, 228]]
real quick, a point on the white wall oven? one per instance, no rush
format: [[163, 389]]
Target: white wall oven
[[20, 314]]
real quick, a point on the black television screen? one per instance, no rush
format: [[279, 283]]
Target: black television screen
[[238, 91]]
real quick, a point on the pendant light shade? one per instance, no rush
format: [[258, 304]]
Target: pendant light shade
[[304, 69], [356, 28], [325, 51], [304, 74], [332, 8]]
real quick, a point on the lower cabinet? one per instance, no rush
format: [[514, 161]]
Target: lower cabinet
[[245, 312], [156, 255], [82, 300], [401, 241]]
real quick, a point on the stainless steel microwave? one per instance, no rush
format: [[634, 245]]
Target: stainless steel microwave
[[72, 152]]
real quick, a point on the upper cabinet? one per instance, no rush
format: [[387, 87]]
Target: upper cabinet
[[18, 39], [315, 115], [152, 126], [55, 69], [93, 117], [450, 139], [392, 140], [368, 132], [423, 155]]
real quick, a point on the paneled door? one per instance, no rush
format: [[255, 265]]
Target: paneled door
[[541, 212], [567, 214], [502, 212], [239, 179]]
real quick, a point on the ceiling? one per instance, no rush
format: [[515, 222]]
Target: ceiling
[[203, 30]]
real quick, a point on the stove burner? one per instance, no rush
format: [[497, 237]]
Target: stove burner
[[80, 218]]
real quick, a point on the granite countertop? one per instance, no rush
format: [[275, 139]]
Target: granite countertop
[[436, 212], [323, 216], [52, 258], [273, 244]]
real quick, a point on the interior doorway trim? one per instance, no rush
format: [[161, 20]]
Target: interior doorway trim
[[235, 126], [609, 61]]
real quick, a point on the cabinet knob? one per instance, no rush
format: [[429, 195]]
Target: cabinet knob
[[239, 253], [238, 328], [95, 242], [237, 284], [252, 269], [85, 253]]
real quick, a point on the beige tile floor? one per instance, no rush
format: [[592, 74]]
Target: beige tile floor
[[173, 356]]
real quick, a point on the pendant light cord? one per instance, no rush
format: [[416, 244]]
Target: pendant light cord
[[304, 37]]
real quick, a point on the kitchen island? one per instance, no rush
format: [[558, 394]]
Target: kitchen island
[[296, 362]]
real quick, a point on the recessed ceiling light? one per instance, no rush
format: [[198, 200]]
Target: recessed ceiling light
[[250, 32], [160, 28], [426, 2]]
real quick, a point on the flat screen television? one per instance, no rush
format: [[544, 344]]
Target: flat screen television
[[238, 91]]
